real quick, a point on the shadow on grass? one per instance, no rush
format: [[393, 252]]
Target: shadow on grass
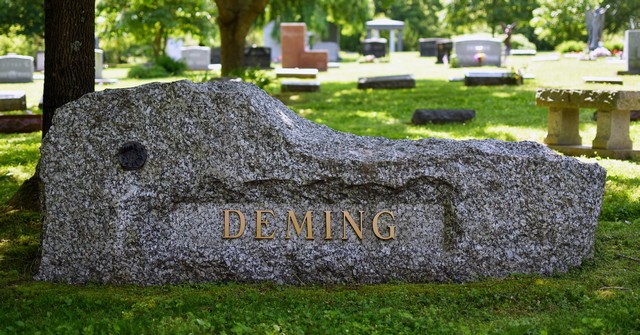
[[388, 112]]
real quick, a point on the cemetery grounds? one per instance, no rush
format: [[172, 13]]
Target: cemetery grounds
[[601, 297]]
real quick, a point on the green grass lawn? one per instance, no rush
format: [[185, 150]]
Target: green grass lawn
[[601, 297]]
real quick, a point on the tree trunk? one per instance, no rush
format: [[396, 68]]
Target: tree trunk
[[69, 41], [69, 30], [235, 18]]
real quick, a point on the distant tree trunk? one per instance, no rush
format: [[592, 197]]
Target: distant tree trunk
[[235, 18], [69, 40]]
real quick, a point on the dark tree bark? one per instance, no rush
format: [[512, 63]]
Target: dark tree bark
[[235, 18], [69, 42], [69, 30]]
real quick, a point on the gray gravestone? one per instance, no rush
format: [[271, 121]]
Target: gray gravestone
[[13, 100], [428, 46], [270, 42], [424, 116], [466, 50], [387, 82], [16, 69], [632, 50], [183, 182], [332, 47], [300, 86], [197, 58]]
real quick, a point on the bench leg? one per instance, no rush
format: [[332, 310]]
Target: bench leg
[[563, 127], [613, 130]]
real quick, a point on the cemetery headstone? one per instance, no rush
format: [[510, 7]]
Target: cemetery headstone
[[294, 51], [424, 116], [300, 86], [215, 56], [39, 61], [271, 42], [13, 100], [16, 69], [428, 46], [483, 78], [475, 51], [374, 46], [443, 50], [265, 195], [632, 50], [387, 82], [197, 58], [99, 63], [332, 48], [257, 57], [173, 48]]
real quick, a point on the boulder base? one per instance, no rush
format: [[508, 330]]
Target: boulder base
[[183, 182]]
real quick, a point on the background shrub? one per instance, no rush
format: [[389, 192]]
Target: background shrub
[[571, 46], [173, 67], [147, 72]]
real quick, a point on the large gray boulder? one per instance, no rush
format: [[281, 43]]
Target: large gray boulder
[[151, 185]]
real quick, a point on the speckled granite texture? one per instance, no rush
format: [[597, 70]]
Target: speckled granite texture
[[136, 182]]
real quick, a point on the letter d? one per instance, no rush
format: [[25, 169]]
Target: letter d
[[226, 223]]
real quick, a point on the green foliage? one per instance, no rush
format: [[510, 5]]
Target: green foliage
[[559, 21], [614, 45], [150, 23], [420, 18], [24, 17], [350, 15], [12, 42], [147, 71], [519, 41], [600, 297], [164, 66], [571, 46], [254, 75], [173, 67]]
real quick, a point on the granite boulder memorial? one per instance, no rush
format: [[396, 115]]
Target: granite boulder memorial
[[183, 182]]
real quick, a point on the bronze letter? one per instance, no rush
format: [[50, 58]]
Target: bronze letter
[[226, 223], [376, 229], [298, 228], [347, 217], [260, 222], [327, 225]]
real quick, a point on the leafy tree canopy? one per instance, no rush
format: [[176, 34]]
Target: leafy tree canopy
[[24, 17], [151, 22]]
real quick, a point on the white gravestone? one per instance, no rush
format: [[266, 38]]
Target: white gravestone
[[16, 69], [40, 61], [197, 58], [174, 48], [99, 63], [469, 50]]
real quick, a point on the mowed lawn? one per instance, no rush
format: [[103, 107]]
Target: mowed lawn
[[601, 297]]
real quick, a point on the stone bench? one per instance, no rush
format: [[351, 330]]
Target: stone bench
[[296, 73], [612, 136], [13, 100], [300, 86], [387, 82]]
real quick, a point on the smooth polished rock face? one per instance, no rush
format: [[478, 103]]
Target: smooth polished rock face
[[177, 182]]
